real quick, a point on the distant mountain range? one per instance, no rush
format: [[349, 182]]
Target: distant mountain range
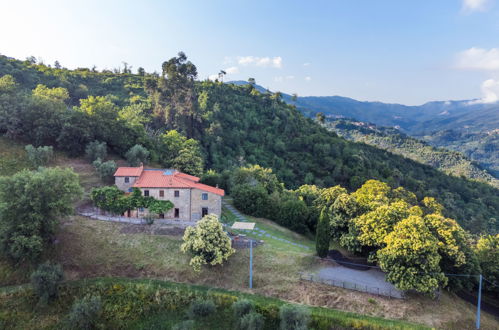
[[466, 126]]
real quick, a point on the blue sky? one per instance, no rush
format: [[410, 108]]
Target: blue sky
[[407, 52]]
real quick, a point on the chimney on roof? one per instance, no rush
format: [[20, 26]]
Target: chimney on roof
[[141, 164], [216, 186]]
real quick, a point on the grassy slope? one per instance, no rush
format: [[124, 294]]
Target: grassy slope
[[88, 248], [18, 307]]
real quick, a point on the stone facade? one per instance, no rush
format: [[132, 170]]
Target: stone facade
[[119, 181], [191, 202]]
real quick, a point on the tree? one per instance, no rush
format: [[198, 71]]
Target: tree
[[323, 234], [106, 170], [255, 174], [45, 281], [141, 71], [293, 214], [375, 225], [40, 156], [251, 199], [411, 257], [175, 97], [31, 203], [181, 153], [96, 150], [137, 155], [320, 117], [221, 75], [207, 243], [487, 250]]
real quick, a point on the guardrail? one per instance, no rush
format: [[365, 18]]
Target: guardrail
[[353, 286]]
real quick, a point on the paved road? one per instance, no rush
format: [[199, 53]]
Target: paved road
[[372, 280]]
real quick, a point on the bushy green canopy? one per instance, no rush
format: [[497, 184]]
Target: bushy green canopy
[[31, 202], [207, 243]]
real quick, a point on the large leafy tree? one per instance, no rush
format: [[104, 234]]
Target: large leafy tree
[[487, 249], [181, 153], [174, 95], [411, 257], [31, 202], [207, 243]]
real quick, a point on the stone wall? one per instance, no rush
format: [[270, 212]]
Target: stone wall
[[119, 181], [182, 203], [214, 204], [189, 203]]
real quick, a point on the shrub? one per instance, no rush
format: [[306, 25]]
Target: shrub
[[45, 281], [242, 307], [184, 325], [95, 150], [252, 321], [201, 309], [136, 155], [40, 156], [149, 219], [294, 317], [84, 313], [105, 169]]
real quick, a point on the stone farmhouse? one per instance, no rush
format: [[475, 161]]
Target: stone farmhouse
[[192, 200]]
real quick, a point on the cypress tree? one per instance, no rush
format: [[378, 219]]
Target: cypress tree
[[323, 234]]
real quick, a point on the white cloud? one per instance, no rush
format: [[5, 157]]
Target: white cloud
[[490, 91], [308, 78], [232, 70], [306, 64], [476, 5], [213, 77], [274, 62], [478, 59]]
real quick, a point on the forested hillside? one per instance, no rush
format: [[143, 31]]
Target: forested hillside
[[393, 140], [204, 125]]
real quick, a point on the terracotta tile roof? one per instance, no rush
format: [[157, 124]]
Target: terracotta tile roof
[[160, 178], [187, 176], [129, 171]]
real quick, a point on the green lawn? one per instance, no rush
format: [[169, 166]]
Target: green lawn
[[276, 232]]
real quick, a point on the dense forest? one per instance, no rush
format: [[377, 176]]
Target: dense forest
[[480, 145], [181, 121], [393, 140]]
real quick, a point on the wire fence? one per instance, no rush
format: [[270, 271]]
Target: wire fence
[[387, 292]]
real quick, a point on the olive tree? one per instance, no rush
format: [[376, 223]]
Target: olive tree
[[40, 156], [31, 204], [136, 155]]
